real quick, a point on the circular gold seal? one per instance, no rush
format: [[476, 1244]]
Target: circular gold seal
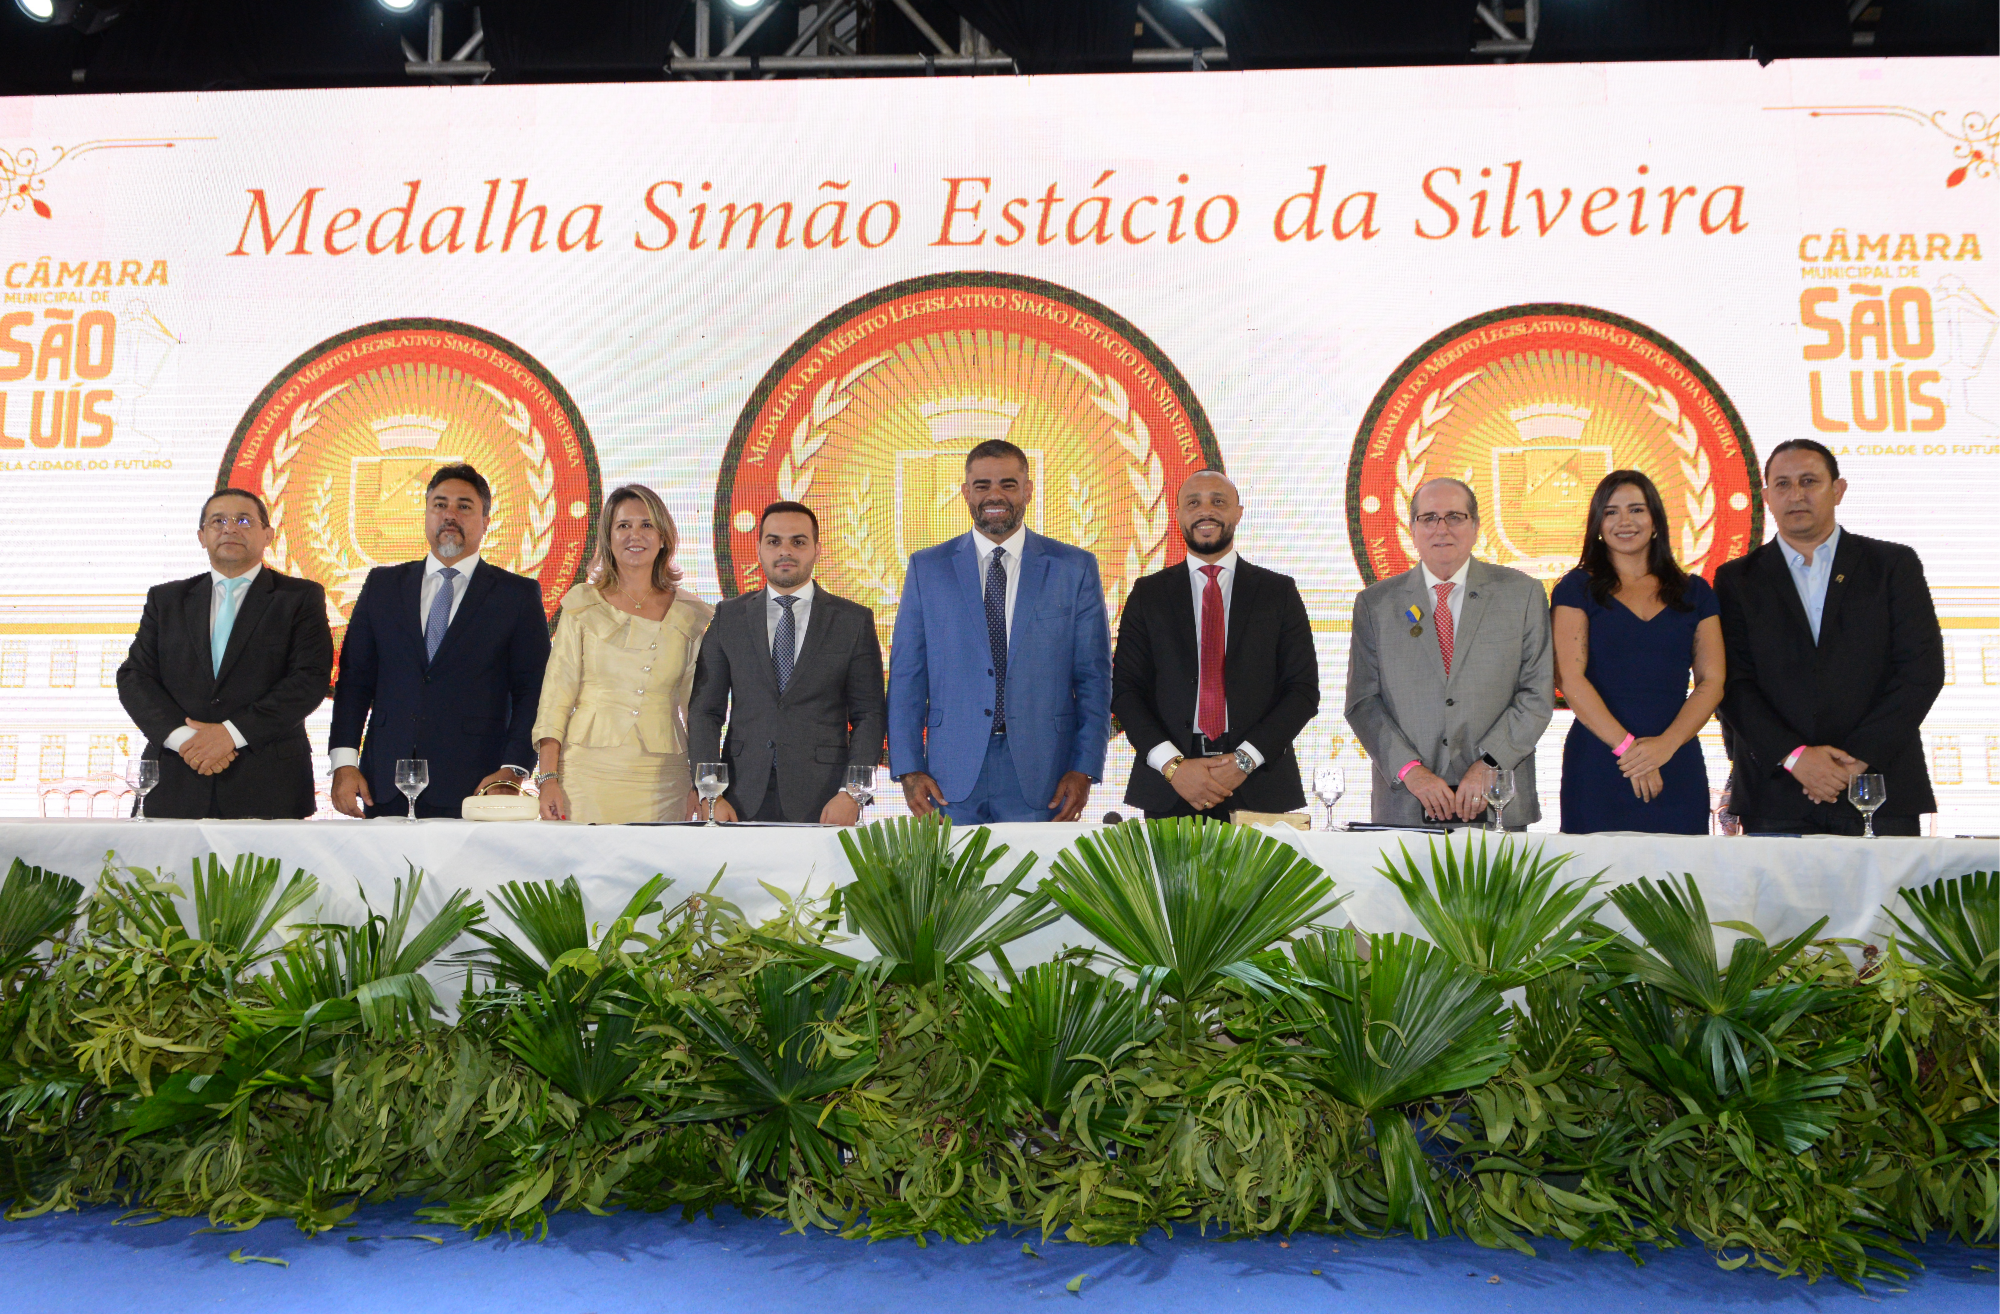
[[868, 418], [1532, 406], [342, 443]]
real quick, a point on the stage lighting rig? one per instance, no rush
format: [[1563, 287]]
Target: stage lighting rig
[[82, 15], [398, 6]]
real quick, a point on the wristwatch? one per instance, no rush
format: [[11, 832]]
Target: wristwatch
[[1490, 760], [1244, 762], [1171, 766]]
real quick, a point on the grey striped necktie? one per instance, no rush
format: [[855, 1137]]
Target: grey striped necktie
[[440, 618], [784, 646]]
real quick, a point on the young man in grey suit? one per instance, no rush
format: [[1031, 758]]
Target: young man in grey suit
[[798, 672], [1450, 673]]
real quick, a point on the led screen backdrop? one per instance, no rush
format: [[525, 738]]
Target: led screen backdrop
[[1331, 284]]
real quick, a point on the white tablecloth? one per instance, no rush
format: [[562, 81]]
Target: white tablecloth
[[1778, 885]]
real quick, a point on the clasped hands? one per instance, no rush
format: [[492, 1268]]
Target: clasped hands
[[921, 793], [1205, 782], [1641, 765], [1444, 803], [1823, 772], [210, 749]]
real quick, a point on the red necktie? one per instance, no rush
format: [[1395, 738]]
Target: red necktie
[[1212, 709], [1442, 620]]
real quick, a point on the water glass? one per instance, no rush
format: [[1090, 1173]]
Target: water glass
[[1868, 792], [1500, 792], [1329, 784], [142, 773], [711, 779], [860, 786], [413, 776]]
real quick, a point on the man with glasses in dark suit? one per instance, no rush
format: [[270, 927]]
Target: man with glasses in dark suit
[[224, 671]]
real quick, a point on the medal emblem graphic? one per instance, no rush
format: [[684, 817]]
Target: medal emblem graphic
[[868, 417], [1532, 406], [342, 443]]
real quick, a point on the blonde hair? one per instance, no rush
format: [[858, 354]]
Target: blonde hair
[[604, 568]]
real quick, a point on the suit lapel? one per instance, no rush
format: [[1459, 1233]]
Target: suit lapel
[[1478, 592], [971, 571], [1845, 558], [256, 601], [818, 621], [484, 578], [1035, 565], [1185, 625], [195, 605], [410, 601], [1414, 594], [757, 638], [1778, 579], [1244, 595]]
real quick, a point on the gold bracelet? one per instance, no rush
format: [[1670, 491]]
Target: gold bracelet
[[1173, 766]]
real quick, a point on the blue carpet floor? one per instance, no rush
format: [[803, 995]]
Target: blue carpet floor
[[640, 1262]]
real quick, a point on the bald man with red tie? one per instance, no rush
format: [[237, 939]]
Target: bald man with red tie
[[1215, 673]]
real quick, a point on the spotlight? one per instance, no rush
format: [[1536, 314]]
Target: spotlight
[[397, 6], [746, 6], [42, 11]]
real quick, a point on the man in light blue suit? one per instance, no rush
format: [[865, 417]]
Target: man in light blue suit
[[1000, 667]]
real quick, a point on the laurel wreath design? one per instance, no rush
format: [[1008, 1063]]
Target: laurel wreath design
[[1082, 512], [541, 477], [1698, 531], [1150, 514], [1411, 464], [273, 481], [867, 563]]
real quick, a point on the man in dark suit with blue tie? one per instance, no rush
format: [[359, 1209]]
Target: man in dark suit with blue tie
[[1000, 665], [225, 670], [443, 661]]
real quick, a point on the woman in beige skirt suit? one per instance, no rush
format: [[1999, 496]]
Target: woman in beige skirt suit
[[612, 727]]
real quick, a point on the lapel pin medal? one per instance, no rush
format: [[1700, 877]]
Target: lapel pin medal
[[1414, 614]]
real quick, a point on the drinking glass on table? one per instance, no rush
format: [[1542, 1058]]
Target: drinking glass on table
[[1868, 792], [142, 773], [1499, 793], [1329, 784], [413, 777], [859, 786], [711, 779]]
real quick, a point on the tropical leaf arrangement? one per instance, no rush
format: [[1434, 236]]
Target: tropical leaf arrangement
[[1224, 1058]]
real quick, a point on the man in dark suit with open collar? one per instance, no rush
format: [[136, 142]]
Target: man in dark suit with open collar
[[798, 672], [228, 727], [442, 661], [1215, 673], [1834, 658]]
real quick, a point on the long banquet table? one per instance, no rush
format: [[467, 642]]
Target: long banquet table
[[1780, 885]]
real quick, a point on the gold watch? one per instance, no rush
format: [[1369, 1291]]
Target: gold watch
[[1172, 766]]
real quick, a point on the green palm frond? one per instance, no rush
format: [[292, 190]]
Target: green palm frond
[[1409, 1024], [585, 1052], [551, 916], [782, 1085], [377, 965], [926, 907], [1960, 943], [1198, 898], [1057, 1024], [1500, 912], [35, 906], [235, 908]]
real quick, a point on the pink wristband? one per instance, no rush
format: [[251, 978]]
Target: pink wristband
[[1624, 744], [1792, 758], [1408, 767]]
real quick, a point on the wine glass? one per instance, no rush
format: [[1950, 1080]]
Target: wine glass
[[1499, 792], [860, 786], [413, 776], [1868, 792], [710, 780], [1329, 784], [142, 773]]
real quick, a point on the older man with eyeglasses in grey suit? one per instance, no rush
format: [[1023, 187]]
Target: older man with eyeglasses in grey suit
[[1450, 673]]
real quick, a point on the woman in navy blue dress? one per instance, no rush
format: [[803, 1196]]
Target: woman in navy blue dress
[[1630, 627]]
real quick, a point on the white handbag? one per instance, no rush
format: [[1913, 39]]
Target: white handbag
[[501, 807]]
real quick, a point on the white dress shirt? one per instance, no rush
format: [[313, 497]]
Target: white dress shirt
[[1198, 583], [433, 581], [1454, 599], [801, 613], [216, 579], [1811, 578], [983, 546]]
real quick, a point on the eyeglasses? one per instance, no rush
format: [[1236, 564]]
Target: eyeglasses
[[1451, 519], [215, 522]]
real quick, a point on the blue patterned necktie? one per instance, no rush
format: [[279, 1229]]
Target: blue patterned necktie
[[784, 647], [996, 633], [225, 620], [440, 618]]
